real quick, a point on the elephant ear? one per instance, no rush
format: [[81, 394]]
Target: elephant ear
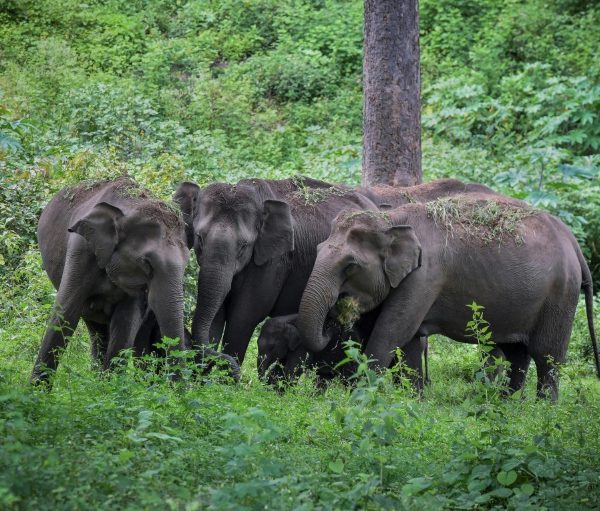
[[403, 254], [99, 228], [293, 336], [276, 235], [187, 197]]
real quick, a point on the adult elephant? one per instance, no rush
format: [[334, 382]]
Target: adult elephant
[[423, 263], [255, 243], [111, 251]]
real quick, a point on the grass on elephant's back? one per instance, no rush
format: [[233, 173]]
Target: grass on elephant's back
[[487, 220]]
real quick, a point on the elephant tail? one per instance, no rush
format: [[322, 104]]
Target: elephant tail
[[588, 290]]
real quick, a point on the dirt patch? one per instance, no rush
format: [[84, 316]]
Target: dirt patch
[[79, 193], [124, 185], [167, 214], [491, 221], [410, 198], [130, 189]]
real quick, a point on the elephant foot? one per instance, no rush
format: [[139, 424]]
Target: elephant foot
[[41, 379]]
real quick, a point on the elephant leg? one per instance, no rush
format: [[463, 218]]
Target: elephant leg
[[98, 340], [491, 366], [548, 347], [398, 322], [238, 332], [425, 347], [519, 359], [217, 326], [245, 310], [125, 323], [411, 356], [146, 336], [61, 327], [78, 276], [547, 384]]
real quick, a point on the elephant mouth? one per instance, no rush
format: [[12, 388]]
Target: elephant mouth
[[131, 287]]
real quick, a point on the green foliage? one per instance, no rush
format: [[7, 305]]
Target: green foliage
[[206, 90], [12, 133], [17, 226], [347, 311], [532, 106]]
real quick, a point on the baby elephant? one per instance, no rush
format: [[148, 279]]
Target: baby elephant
[[281, 355]]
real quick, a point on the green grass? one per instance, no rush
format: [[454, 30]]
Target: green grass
[[313, 196], [486, 220], [347, 311], [135, 440]]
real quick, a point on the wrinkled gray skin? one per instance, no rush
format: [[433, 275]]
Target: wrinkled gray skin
[[255, 243], [110, 256], [422, 276], [281, 356]]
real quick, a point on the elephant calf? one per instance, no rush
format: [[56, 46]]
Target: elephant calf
[[423, 263], [111, 251], [281, 355]]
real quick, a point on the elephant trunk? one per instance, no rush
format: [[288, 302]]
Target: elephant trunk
[[217, 269], [264, 361], [165, 298], [207, 352], [166, 301], [319, 297]]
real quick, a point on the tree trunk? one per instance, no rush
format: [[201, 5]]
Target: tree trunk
[[392, 87]]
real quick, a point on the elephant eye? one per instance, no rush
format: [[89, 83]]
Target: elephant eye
[[146, 266], [351, 268], [242, 246]]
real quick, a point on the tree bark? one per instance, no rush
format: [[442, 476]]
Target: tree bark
[[392, 90]]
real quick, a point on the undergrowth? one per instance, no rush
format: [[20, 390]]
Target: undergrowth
[[135, 438]]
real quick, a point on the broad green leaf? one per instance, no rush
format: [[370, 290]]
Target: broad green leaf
[[506, 478]]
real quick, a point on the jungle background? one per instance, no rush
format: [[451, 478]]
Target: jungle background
[[172, 90]]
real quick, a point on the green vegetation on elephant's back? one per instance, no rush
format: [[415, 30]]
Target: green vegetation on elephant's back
[[487, 220], [205, 90]]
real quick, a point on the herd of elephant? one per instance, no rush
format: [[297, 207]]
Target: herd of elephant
[[409, 258]]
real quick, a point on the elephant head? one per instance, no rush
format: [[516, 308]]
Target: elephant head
[[141, 248], [363, 258], [234, 226], [280, 354]]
